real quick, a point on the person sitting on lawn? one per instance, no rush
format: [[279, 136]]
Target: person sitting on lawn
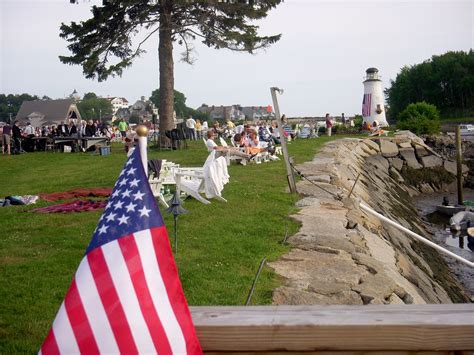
[[376, 130], [243, 142], [220, 150]]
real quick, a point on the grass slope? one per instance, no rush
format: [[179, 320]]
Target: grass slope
[[220, 245]]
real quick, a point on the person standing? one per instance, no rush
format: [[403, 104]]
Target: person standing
[[71, 129], [329, 124], [29, 132], [62, 129], [191, 126], [91, 130], [16, 135], [7, 134], [122, 126], [199, 129]]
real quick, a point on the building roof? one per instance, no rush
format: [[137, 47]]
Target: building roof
[[117, 97], [51, 110]]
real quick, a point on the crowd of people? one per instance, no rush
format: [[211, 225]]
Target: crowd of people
[[249, 136], [17, 139], [266, 131], [247, 140]]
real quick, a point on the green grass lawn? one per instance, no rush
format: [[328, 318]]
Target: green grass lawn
[[457, 120], [220, 244]]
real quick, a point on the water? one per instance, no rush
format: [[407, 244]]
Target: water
[[444, 235], [438, 224]]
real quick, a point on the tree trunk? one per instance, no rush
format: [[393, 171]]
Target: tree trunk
[[165, 54]]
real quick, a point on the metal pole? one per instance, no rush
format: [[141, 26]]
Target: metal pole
[[289, 171], [416, 236], [355, 182], [459, 165], [176, 234], [249, 297]]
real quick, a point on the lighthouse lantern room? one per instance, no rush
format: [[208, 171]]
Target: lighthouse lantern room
[[373, 101]]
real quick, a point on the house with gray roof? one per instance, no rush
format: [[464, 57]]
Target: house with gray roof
[[238, 112], [47, 112]]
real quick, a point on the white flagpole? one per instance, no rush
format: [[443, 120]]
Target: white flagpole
[[142, 132]]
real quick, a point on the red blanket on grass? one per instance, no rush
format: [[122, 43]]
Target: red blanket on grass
[[95, 192], [74, 206]]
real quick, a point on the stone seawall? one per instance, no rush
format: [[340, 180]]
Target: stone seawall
[[341, 254]]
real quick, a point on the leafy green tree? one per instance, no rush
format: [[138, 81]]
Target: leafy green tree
[[10, 104], [358, 120], [95, 108], [420, 118], [90, 95], [182, 111], [446, 81], [103, 44], [134, 119], [179, 102], [198, 115]]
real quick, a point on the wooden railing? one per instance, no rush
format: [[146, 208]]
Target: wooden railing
[[389, 329]]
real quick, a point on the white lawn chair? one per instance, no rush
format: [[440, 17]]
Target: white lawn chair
[[191, 181], [158, 183], [209, 179], [230, 156]]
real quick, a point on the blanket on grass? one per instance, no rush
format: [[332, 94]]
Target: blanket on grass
[[73, 206], [76, 193]]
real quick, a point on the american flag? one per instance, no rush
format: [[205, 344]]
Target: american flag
[[126, 296], [366, 103]]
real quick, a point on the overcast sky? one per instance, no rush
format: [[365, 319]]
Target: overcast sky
[[319, 62]]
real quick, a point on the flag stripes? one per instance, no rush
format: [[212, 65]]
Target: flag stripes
[[63, 333], [366, 105], [126, 296], [164, 297], [94, 309], [110, 301], [79, 323], [96, 317], [49, 346], [172, 286], [130, 250]]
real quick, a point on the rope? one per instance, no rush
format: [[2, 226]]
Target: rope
[[337, 196], [389, 221], [416, 236]]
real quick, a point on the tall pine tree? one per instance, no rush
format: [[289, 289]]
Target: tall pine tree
[[103, 44]]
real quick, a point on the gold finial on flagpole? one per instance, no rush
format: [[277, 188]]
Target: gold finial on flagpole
[[142, 131]]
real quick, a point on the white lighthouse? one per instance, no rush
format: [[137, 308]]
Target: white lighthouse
[[372, 102]]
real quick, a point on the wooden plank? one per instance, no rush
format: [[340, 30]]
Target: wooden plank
[[384, 352], [336, 328]]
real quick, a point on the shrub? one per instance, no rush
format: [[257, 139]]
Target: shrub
[[358, 119], [420, 118]]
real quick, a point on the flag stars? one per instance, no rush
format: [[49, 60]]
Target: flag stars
[[144, 212], [103, 229], [123, 219], [126, 193], [134, 183], [131, 171], [115, 193], [110, 217], [138, 196], [118, 205], [130, 161], [123, 182], [131, 207]]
